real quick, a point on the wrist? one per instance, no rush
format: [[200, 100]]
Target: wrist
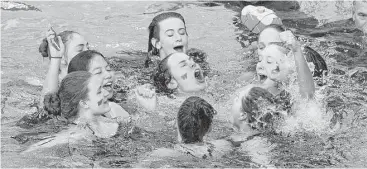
[[297, 47]]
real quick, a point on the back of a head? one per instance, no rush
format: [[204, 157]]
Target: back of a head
[[73, 89], [82, 61], [65, 37], [194, 119]]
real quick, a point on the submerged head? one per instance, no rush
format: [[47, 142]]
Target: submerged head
[[74, 44], [167, 34], [80, 95], [360, 14], [274, 64], [178, 71], [194, 119], [95, 63]]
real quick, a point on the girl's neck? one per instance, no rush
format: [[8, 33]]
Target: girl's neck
[[103, 127], [100, 126]]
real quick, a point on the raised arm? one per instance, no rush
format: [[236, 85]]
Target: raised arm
[[51, 83], [304, 76]]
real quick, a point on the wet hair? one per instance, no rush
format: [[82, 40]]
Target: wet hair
[[319, 62], [251, 108], [162, 76], [65, 37], [81, 61], [194, 119], [73, 89], [154, 32]]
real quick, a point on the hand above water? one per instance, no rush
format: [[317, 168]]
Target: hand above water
[[55, 46], [146, 96], [290, 40]]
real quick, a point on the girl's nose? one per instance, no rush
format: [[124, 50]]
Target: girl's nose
[[178, 37], [108, 75]]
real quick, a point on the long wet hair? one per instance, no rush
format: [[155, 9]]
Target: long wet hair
[[82, 60], [154, 32], [310, 54], [194, 119], [65, 37], [65, 102], [162, 76]]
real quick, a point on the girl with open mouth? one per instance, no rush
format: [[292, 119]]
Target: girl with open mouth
[[179, 73], [95, 63], [83, 102], [275, 69]]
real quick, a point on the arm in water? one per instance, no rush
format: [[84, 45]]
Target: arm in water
[[304, 76]]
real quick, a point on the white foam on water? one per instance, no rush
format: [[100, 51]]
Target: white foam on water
[[306, 115]]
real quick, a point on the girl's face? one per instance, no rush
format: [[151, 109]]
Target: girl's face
[[97, 101], [100, 68], [172, 36], [266, 36], [74, 46], [360, 15], [186, 73], [273, 64]]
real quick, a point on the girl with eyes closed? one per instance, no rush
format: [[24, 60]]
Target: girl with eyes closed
[[167, 35]]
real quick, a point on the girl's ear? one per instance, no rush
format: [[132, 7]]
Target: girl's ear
[[172, 84], [156, 43]]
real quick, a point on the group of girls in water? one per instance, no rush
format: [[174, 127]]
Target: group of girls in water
[[79, 81]]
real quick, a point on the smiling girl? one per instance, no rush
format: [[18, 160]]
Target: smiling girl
[[95, 63], [82, 100]]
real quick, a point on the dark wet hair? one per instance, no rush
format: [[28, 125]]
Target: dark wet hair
[[73, 89], [162, 76], [194, 119], [251, 108], [319, 62], [65, 37], [81, 61], [154, 32]]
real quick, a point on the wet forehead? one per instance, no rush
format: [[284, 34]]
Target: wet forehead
[[361, 6], [177, 58], [97, 62], [171, 23], [269, 35], [77, 39], [272, 51]]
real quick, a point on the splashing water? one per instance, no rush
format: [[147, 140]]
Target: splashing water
[[306, 115]]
